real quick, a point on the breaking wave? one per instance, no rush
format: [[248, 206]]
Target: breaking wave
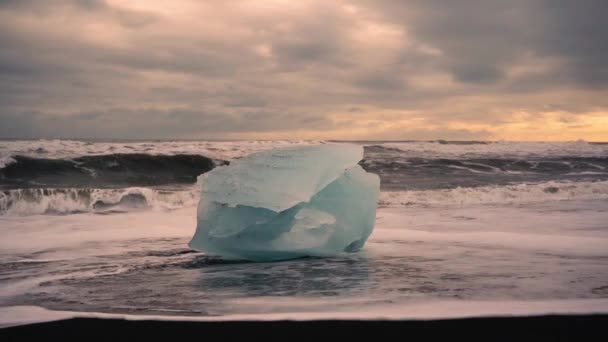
[[517, 193], [500, 149], [24, 202], [65, 177], [484, 165], [399, 171]]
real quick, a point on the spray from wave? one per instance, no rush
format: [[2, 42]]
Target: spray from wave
[[24, 202], [509, 194]]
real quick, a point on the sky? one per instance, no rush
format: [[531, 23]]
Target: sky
[[281, 69]]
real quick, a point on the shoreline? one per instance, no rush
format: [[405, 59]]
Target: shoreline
[[289, 310]]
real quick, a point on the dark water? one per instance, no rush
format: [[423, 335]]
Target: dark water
[[112, 170], [398, 171]]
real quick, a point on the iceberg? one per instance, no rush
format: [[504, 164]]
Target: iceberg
[[287, 203]]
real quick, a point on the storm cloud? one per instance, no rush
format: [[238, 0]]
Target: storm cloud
[[415, 69]]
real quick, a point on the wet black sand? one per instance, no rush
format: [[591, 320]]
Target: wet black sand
[[535, 328]]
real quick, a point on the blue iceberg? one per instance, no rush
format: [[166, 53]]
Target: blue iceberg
[[287, 203]]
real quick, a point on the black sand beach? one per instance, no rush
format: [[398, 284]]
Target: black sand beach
[[536, 328]]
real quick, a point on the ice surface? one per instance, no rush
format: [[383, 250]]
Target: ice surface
[[287, 203]]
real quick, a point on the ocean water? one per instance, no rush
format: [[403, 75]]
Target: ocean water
[[103, 226]]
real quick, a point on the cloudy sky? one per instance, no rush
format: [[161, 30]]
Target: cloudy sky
[[274, 69]]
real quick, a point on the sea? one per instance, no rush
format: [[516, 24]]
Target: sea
[[463, 228]]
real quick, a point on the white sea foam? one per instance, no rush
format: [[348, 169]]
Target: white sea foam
[[24, 202], [75, 236], [517, 193], [5, 160], [438, 309], [549, 250]]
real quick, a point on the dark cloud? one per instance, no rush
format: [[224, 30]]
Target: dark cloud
[[150, 123], [127, 18], [577, 31], [481, 38], [93, 68], [382, 81], [477, 73]]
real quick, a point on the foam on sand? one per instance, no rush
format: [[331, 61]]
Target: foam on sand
[[20, 315]]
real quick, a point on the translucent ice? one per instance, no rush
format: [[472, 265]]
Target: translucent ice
[[287, 203]]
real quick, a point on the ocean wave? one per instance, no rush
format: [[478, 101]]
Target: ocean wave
[[112, 170], [548, 165], [63, 201], [67, 149], [517, 193], [500, 149], [229, 150], [25, 202], [5, 160], [398, 172]]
